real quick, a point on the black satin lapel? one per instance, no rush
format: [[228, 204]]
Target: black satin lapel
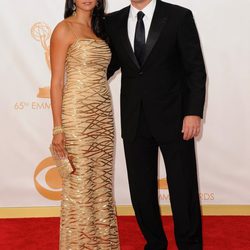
[[158, 22], [125, 38]]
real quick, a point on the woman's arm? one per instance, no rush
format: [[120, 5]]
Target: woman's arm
[[58, 51]]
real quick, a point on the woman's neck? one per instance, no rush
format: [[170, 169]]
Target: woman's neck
[[83, 17]]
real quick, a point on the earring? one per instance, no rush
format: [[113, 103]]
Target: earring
[[74, 8], [97, 4]]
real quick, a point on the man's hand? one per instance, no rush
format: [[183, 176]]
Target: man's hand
[[191, 127]]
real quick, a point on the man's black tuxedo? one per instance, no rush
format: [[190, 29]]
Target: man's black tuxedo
[[155, 98], [171, 81]]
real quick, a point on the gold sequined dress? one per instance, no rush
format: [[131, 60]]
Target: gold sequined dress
[[88, 219]]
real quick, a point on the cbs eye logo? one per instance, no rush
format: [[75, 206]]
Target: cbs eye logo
[[47, 180]]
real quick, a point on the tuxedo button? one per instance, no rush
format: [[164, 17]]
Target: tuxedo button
[[141, 73]]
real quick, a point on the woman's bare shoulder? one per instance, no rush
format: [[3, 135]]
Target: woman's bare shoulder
[[61, 30]]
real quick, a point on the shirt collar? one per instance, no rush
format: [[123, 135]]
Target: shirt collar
[[148, 10]]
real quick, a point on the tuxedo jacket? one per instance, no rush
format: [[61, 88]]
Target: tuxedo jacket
[[170, 83]]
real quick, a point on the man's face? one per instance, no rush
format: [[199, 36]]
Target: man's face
[[140, 1]]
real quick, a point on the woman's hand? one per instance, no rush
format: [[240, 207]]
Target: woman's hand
[[58, 144]]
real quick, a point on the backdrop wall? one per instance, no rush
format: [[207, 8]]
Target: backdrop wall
[[28, 178]]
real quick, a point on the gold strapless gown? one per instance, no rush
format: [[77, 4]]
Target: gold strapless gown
[[88, 219]]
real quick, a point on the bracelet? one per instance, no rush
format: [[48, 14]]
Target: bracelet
[[57, 130]]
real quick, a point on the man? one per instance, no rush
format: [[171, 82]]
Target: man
[[157, 47]]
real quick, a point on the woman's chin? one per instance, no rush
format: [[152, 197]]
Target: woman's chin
[[87, 7]]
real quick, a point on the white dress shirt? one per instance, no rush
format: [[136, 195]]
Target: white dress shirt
[[147, 19]]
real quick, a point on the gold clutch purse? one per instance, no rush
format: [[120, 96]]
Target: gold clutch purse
[[62, 163]]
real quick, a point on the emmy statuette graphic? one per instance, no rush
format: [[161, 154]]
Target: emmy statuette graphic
[[41, 32]]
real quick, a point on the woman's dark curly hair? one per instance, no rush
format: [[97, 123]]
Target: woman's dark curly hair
[[98, 17]]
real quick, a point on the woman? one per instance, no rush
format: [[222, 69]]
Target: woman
[[83, 126]]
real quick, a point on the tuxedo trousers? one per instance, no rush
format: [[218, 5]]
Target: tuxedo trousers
[[142, 167]]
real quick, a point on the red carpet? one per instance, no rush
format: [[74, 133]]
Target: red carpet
[[220, 233]]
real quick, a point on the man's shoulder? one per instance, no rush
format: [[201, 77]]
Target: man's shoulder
[[117, 14], [174, 9]]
